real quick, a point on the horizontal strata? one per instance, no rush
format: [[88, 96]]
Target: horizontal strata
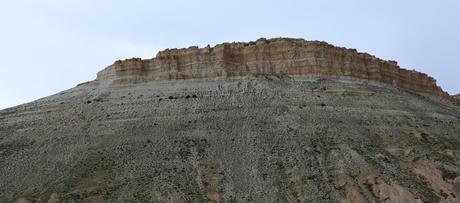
[[279, 56]]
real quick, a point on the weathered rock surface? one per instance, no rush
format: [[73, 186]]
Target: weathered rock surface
[[283, 56], [236, 131]]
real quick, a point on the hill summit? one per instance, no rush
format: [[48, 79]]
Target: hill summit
[[279, 120], [278, 56]]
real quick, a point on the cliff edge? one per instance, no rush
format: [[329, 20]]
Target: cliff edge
[[278, 56]]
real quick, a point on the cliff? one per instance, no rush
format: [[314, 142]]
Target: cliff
[[279, 56]]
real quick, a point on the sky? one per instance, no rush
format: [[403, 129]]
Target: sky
[[48, 46]]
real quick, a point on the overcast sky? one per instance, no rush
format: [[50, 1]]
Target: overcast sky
[[48, 46]]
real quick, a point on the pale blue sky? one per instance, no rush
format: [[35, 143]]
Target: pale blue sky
[[48, 46]]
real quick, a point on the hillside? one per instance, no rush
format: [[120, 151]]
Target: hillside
[[280, 120]]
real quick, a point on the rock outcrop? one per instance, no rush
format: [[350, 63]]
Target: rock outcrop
[[279, 56]]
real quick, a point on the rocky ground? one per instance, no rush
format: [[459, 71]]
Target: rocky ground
[[250, 139]]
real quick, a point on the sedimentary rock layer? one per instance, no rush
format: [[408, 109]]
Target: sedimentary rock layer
[[280, 56]]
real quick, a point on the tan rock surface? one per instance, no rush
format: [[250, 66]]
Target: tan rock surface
[[279, 56]]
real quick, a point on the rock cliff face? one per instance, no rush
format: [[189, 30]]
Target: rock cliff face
[[280, 56], [242, 122]]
